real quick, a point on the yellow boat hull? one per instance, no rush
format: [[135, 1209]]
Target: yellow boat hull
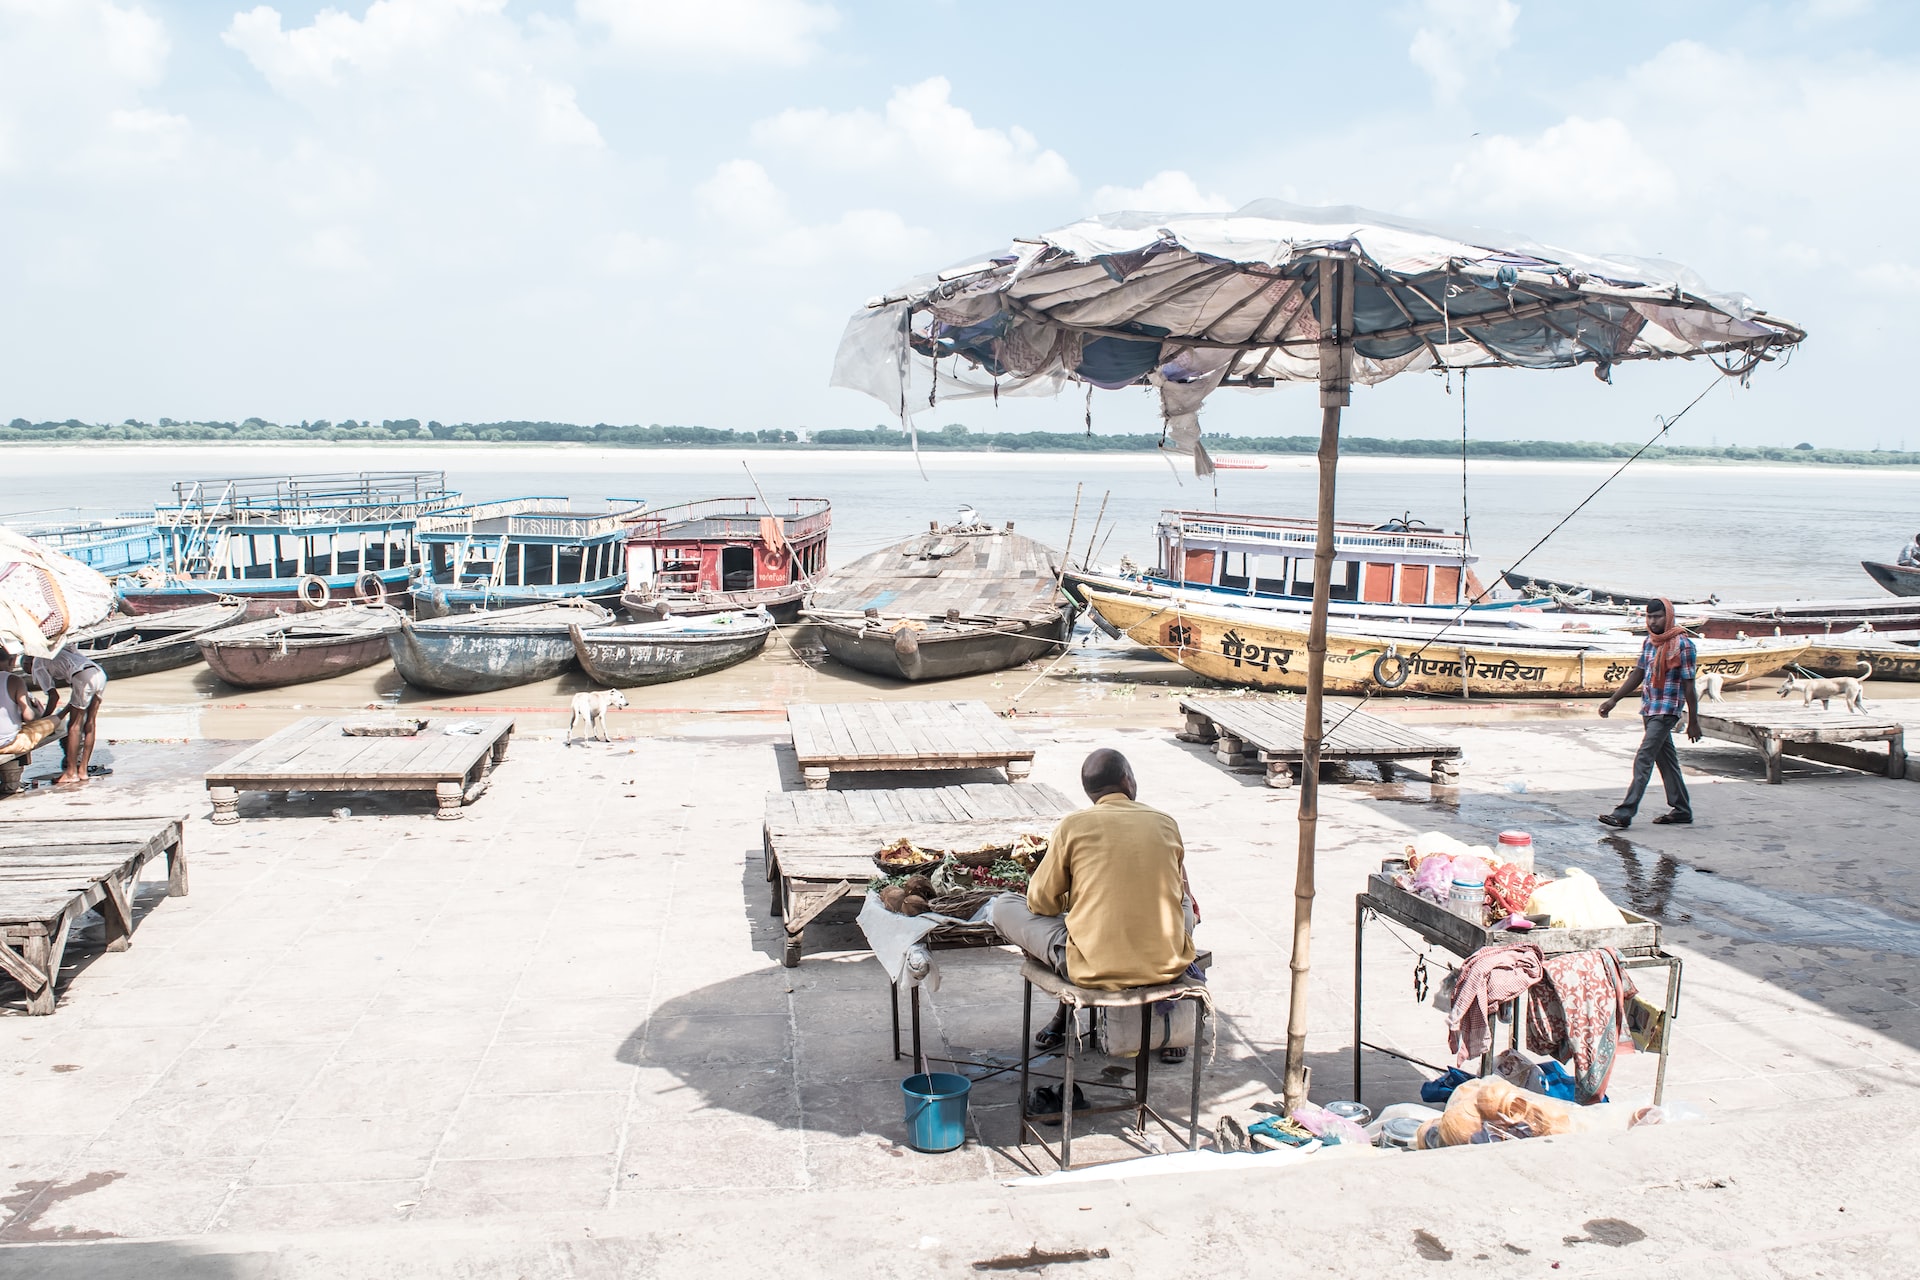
[[1832, 656], [1242, 648]]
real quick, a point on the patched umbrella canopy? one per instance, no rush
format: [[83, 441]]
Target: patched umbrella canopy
[[1272, 293], [45, 596], [1186, 303]]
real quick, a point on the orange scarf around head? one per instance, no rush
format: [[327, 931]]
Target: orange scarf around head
[[1666, 652]]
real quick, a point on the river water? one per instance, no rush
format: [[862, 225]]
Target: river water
[[1745, 532]]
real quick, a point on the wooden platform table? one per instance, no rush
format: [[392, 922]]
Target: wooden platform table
[[831, 737], [818, 847], [1269, 731], [1790, 729], [315, 754], [53, 870]]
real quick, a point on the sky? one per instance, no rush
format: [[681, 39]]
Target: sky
[[636, 211]]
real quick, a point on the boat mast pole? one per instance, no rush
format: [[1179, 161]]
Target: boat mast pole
[[1336, 364]]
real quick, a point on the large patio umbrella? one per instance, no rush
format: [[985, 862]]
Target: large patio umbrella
[[1187, 303]]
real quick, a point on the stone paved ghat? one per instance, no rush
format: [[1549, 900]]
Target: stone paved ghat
[[569, 1009]]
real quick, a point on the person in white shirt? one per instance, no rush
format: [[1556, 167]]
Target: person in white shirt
[[85, 683], [1910, 554]]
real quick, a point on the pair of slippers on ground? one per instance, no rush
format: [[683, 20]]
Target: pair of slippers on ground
[[1672, 818]]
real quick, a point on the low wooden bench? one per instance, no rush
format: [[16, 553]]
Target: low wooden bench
[[53, 870], [1270, 732], [848, 736], [818, 848], [1825, 736], [315, 754]]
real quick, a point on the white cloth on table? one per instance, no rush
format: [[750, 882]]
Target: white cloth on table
[[891, 936]]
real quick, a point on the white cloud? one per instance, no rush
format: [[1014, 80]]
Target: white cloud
[[430, 54], [1459, 41], [1584, 166], [759, 32], [73, 79], [743, 197], [332, 251], [922, 134], [628, 253], [1169, 191]]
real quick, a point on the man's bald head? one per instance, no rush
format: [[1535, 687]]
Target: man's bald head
[[1106, 772]]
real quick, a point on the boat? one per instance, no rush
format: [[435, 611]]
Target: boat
[[1890, 655], [139, 645], [297, 647], [284, 544], [1578, 595], [1266, 650], [1398, 569], [719, 555], [518, 551], [113, 547], [1901, 579], [492, 649], [637, 653], [1737, 620], [962, 600]]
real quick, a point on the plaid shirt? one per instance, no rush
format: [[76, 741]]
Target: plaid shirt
[[1669, 699]]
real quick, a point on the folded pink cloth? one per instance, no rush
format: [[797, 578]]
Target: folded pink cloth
[[1490, 977]]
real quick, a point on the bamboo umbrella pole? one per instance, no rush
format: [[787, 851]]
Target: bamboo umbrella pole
[[1336, 359]]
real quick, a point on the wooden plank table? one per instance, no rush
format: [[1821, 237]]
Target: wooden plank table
[[1792, 730], [315, 755], [818, 847], [1271, 730], [54, 870], [848, 736]]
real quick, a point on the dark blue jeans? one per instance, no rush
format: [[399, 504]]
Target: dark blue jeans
[[1657, 749]]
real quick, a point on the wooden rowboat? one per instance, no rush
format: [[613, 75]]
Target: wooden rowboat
[[123, 646], [296, 648], [957, 601], [1891, 655], [1902, 580], [1259, 649], [481, 652], [657, 606], [622, 657]]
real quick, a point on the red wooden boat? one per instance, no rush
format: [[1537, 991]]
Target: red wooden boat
[[715, 555]]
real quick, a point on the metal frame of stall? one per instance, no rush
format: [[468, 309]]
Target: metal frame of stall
[[1638, 945]]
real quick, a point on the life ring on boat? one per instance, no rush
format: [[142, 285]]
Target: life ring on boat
[[1390, 670], [368, 589], [313, 592]]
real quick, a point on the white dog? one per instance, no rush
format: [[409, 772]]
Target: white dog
[[1846, 688], [1711, 684], [590, 709]]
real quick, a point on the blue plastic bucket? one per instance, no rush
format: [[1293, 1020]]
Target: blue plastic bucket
[[936, 1110]]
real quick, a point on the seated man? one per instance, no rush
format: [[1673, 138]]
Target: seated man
[[85, 683], [1107, 906], [21, 727], [1910, 554]]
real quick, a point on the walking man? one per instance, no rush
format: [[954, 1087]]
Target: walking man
[[1664, 675]]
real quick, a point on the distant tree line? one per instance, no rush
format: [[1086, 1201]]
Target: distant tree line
[[951, 437]]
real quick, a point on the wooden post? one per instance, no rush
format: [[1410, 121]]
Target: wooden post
[[1072, 527], [1336, 368]]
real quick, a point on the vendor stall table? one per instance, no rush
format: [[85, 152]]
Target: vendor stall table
[[1637, 943], [830, 737], [1811, 732], [1272, 730], [818, 847]]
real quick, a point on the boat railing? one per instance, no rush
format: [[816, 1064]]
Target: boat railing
[[1301, 535], [308, 499], [731, 519]]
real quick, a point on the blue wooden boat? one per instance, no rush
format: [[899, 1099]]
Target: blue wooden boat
[[112, 547], [496, 649], [639, 653], [495, 555], [283, 544]]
